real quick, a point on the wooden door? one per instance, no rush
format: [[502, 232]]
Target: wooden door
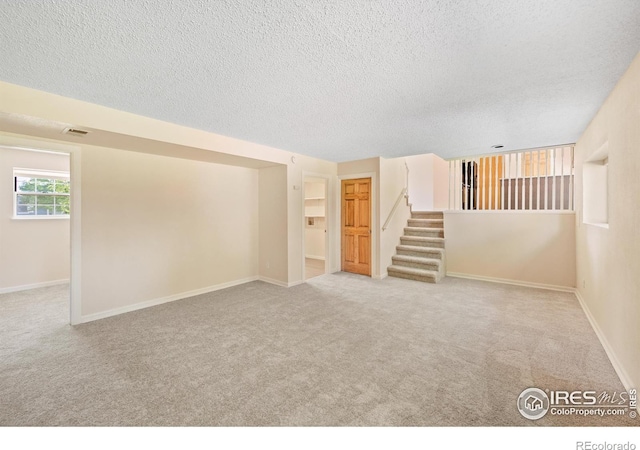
[[489, 176], [356, 226]]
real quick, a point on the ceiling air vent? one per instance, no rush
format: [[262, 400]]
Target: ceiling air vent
[[75, 132]]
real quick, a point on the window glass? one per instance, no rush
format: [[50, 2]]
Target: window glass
[[38, 195]]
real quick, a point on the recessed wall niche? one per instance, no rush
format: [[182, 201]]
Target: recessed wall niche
[[595, 188]]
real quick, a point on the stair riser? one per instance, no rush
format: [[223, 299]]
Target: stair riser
[[426, 279], [436, 244], [427, 264], [427, 215], [420, 224], [432, 255], [424, 232], [417, 265]]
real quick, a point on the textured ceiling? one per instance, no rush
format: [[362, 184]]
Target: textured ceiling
[[339, 80]]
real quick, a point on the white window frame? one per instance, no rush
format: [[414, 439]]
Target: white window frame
[[37, 173]]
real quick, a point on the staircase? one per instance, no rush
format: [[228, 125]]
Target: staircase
[[420, 255]]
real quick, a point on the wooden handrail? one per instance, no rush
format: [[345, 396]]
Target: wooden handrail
[[403, 194]]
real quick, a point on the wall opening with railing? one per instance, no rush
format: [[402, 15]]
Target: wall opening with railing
[[534, 180]]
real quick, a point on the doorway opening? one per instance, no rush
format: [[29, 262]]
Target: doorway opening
[[35, 264], [315, 226]]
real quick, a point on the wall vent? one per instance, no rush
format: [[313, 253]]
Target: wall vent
[[75, 132]]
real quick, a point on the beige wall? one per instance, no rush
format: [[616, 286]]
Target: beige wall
[[421, 181], [314, 238], [358, 166], [32, 251], [155, 227], [608, 260], [428, 182], [42, 115], [273, 236], [393, 178], [536, 248]]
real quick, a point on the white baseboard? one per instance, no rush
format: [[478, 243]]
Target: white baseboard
[[160, 301], [319, 258], [551, 287], [382, 276], [280, 283], [615, 362], [273, 281], [26, 287]]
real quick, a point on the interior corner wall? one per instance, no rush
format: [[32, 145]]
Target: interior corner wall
[[522, 247], [156, 228], [421, 186], [273, 235], [34, 252], [428, 182], [608, 259]]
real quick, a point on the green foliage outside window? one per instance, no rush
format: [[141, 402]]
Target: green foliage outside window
[[42, 196]]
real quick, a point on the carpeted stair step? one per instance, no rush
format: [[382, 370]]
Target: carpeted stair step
[[423, 252], [410, 273], [420, 241], [437, 215], [420, 255], [417, 262], [424, 232], [426, 223]]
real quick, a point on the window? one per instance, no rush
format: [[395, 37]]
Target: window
[[39, 194]]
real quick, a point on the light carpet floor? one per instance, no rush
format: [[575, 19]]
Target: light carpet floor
[[339, 350]]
